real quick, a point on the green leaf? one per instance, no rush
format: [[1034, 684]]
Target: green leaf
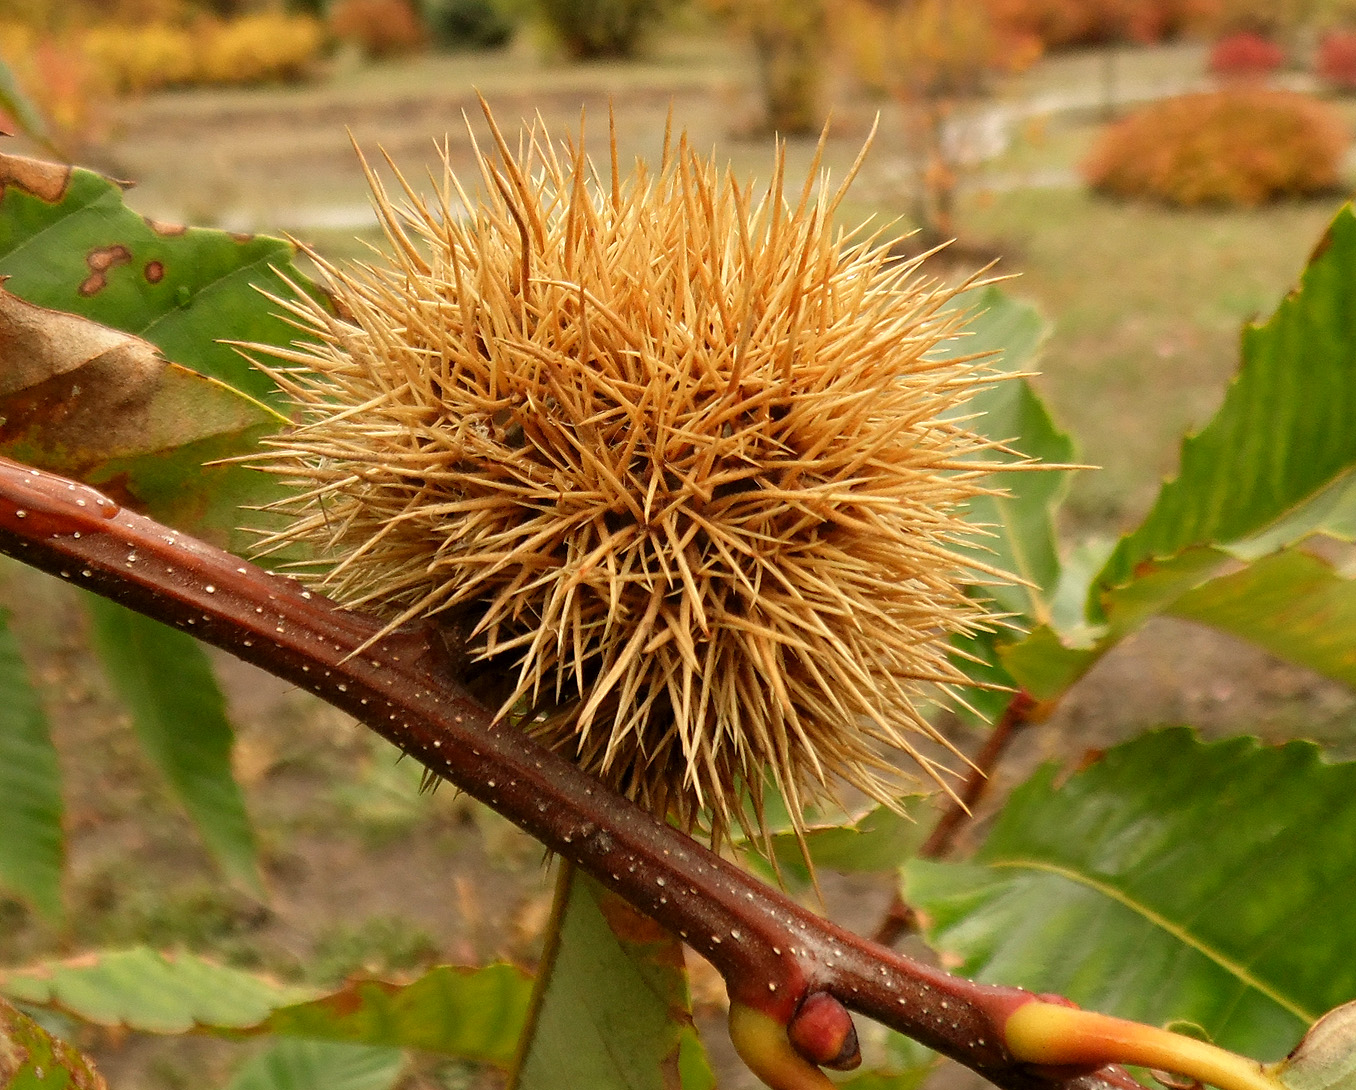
[[76, 394], [181, 488], [694, 1069], [1048, 662], [611, 1007], [467, 1014], [471, 1014], [992, 684], [874, 841], [1291, 603], [179, 714], [1331, 513], [149, 992], [32, 1059], [1118, 888], [1044, 665], [1010, 412], [1273, 467], [1020, 536], [1285, 434], [877, 840], [1000, 324], [67, 241], [32, 846], [871, 839], [319, 1065]]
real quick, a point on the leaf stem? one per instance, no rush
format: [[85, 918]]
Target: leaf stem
[[961, 809], [900, 918], [546, 967], [771, 952], [1049, 1033], [761, 1043]]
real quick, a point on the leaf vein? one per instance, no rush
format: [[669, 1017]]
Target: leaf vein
[[1229, 965]]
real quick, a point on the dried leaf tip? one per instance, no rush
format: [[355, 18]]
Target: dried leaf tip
[[677, 460]]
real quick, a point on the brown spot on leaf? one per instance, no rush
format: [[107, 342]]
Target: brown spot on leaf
[[82, 1072], [242, 236], [155, 271], [352, 998], [46, 181], [99, 262], [75, 394], [1090, 758], [633, 928], [12, 1057], [670, 1069], [168, 230], [1145, 568]]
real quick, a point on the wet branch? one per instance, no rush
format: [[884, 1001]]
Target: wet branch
[[771, 952]]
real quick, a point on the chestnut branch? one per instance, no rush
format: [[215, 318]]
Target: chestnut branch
[[773, 953]]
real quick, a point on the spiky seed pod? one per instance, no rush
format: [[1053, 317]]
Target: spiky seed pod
[[681, 463]]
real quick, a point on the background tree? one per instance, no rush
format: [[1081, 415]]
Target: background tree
[[790, 47], [602, 28], [935, 58]]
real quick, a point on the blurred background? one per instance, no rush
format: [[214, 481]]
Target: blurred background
[[1155, 169], [1153, 173]]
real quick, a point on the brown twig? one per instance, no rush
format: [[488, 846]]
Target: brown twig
[[962, 808], [900, 918], [772, 952]]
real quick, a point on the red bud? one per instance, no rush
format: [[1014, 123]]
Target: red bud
[[822, 1032]]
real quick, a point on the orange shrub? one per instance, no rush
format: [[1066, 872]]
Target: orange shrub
[[381, 28], [64, 15], [1335, 63], [69, 71], [1245, 55], [1241, 146], [1055, 22]]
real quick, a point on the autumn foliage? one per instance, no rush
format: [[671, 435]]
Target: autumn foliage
[[1059, 24], [1240, 146], [68, 70]]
